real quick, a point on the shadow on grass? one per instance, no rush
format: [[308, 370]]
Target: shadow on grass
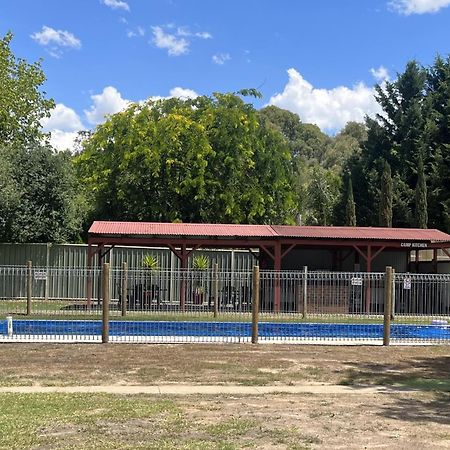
[[423, 374], [424, 410]]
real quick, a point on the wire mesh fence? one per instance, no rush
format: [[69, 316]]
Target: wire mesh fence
[[216, 306]]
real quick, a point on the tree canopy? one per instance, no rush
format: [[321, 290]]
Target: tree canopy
[[210, 159], [22, 102]]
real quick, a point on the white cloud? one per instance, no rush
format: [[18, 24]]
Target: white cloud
[[221, 58], [203, 35], [408, 7], [182, 93], [62, 118], [330, 109], [110, 101], [56, 40], [63, 126], [138, 32], [381, 74], [63, 140], [175, 46], [116, 4], [185, 32]]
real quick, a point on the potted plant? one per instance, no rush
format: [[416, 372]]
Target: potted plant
[[200, 263], [151, 263]]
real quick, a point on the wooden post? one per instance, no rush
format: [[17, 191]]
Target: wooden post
[[216, 289], [29, 286], [184, 264], [105, 303], [255, 305], [277, 267], [388, 279], [393, 296], [124, 288], [368, 282], [305, 292]]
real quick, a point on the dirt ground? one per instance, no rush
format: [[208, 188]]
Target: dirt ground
[[418, 418], [94, 364]]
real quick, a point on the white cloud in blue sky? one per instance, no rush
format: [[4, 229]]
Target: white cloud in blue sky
[[185, 32], [330, 109], [110, 101], [381, 74], [174, 45], [116, 4], [56, 40], [408, 7], [139, 31], [176, 41], [221, 58]]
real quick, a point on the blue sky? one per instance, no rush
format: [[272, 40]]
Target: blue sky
[[318, 58]]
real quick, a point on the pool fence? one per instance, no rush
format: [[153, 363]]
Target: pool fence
[[111, 304]]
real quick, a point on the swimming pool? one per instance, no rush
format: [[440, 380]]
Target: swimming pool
[[267, 330]]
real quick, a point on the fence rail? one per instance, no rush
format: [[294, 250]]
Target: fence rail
[[212, 305]]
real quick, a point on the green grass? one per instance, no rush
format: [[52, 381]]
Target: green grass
[[77, 421], [102, 421]]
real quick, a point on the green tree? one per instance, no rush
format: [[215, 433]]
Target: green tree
[[386, 196], [42, 201], [421, 196], [323, 193], [395, 137], [350, 212], [211, 159], [22, 102]]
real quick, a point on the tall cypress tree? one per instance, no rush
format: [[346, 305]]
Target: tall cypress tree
[[421, 196], [386, 196], [350, 213]]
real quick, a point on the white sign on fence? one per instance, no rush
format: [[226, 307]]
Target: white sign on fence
[[40, 275], [407, 283], [357, 281]]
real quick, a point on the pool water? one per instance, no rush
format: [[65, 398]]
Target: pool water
[[268, 330]]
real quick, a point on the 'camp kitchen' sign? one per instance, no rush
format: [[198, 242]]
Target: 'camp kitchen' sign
[[414, 244]]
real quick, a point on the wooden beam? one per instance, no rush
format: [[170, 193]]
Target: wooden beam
[[288, 250], [360, 252], [378, 252], [272, 255]]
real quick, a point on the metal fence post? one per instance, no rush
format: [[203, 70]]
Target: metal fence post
[[29, 286], [305, 292], [124, 288], [255, 305], [388, 281], [216, 289], [105, 303]]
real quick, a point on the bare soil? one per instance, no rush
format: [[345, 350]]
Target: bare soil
[[395, 420], [94, 364]]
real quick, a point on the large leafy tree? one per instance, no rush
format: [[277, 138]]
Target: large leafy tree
[[209, 159], [39, 196], [40, 199], [22, 102], [413, 135]]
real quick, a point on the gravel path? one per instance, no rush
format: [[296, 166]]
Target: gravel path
[[183, 389]]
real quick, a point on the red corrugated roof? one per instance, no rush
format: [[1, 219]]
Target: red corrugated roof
[[264, 231], [372, 233], [180, 229]]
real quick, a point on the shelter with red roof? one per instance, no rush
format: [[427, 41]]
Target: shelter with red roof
[[279, 247]]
